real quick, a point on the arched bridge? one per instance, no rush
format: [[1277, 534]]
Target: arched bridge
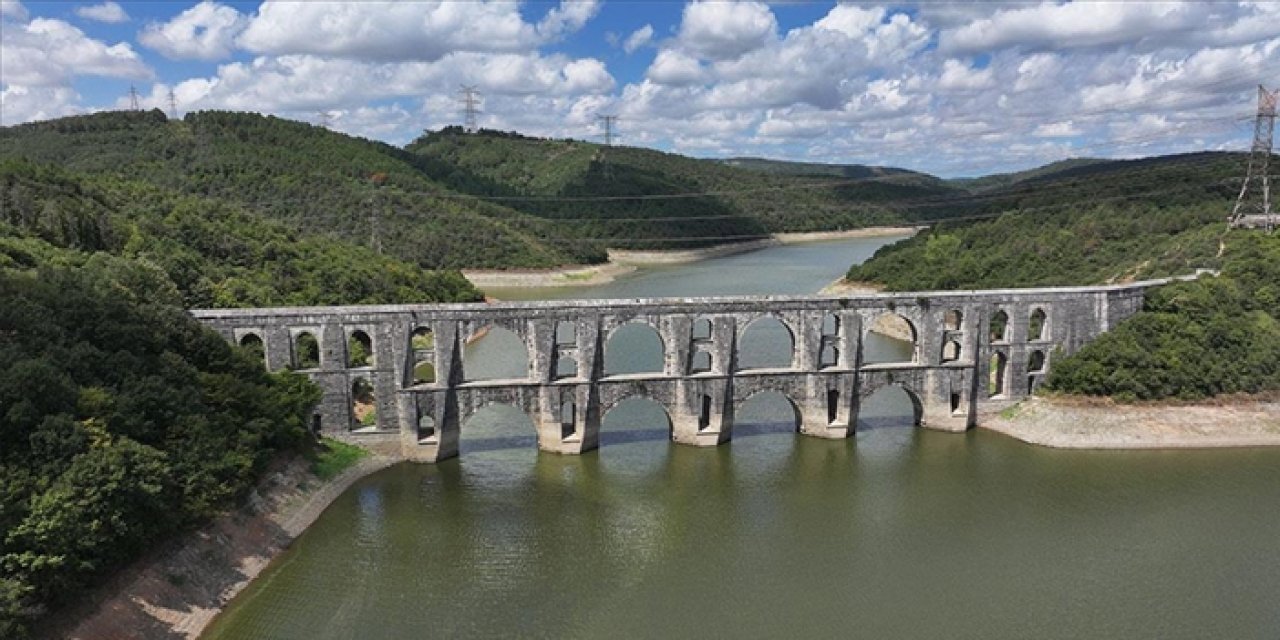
[[970, 350]]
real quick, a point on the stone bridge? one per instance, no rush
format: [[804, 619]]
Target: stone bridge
[[970, 351]]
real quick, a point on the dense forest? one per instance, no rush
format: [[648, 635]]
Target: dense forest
[[122, 421], [1101, 222], [451, 199]]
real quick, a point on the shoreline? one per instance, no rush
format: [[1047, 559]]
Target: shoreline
[[178, 589], [1074, 424], [622, 262]]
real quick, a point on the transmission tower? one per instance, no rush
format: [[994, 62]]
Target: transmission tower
[[608, 121], [133, 98], [1253, 206], [323, 116], [173, 105], [470, 98]]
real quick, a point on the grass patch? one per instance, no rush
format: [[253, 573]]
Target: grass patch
[[330, 457], [1009, 413]]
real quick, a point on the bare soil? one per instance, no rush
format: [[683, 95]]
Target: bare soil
[[1239, 421], [175, 591]]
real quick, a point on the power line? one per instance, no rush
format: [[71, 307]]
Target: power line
[[470, 98]]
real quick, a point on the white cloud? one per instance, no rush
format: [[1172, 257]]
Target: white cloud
[[1074, 24], [108, 12], [958, 76], [385, 31], [47, 52], [13, 9], [567, 18], [206, 31], [1064, 129], [671, 67], [639, 38], [723, 30], [20, 104]]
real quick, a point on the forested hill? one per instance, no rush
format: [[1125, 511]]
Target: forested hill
[[1103, 222], [742, 200], [456, 200]]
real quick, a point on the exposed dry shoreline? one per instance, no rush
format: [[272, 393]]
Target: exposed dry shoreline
[[622, 261], [1075, 424], [175, 591]]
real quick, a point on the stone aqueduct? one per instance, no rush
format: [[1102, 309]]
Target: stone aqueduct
[[972, 351]]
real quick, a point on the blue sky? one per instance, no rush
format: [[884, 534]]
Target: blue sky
[[950, 88]]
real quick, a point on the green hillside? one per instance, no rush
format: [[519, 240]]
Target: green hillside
[[314, 181], [857, 171], [1095, 223], [538, 175], [995, 181]]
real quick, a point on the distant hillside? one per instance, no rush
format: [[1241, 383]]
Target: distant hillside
[[1087, 223], [318, 182], [790, 168], [995, 181], [737, 201]]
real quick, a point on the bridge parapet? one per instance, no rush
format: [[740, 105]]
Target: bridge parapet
[[970, 350]]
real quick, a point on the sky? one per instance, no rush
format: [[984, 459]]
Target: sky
[[954, 89]]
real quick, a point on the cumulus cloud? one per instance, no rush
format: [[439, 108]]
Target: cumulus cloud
[[638, 38], [23, 104], [108, 12], [384, 31], [671, 67], [721, 30], [47, 52], [206, 31], [13, 10]]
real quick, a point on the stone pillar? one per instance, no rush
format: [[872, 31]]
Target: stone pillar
[[688, 423], [823, 415], [582, 433], [278, 344]]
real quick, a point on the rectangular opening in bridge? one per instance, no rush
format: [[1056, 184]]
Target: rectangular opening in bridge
[[833, 405], [701, 362], [704, 416], [568, 418], [315, 423], [702, 329], [566, 334], [426, 430], [829, 356], [955, 402]]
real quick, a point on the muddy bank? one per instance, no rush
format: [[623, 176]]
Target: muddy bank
[[685, 256], [175, 591], [867, 232], [582, 276], [1077, 424]]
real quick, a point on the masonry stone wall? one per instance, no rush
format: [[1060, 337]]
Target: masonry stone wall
[[959, 366]]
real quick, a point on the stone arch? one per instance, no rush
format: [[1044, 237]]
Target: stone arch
[[496, 424], [495, 353], [1037, 325], [952, 320], [252, 342], [998, 375], [644, 413], [888, 405], [634, 347], [364, 404], [998, 328], [890, 339], [766, 343], [951, 351], [743, 412], [359, 349], [306, 351], [422, 348]]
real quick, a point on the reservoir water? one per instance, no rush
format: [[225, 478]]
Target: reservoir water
[[896, 533]]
